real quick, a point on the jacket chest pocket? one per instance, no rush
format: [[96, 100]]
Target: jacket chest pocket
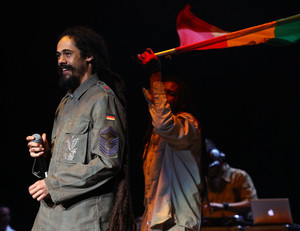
[[74, 142]]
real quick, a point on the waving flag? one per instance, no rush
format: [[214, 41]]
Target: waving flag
[[196, 34], [192, 30]]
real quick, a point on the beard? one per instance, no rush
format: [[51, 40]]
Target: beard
[[69, 83], [70, 80]]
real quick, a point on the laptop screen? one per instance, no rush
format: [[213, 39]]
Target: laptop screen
[[271, 211]]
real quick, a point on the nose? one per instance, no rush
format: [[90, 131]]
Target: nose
[[61, 60]]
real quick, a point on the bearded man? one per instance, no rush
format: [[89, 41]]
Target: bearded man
[[88, 150]]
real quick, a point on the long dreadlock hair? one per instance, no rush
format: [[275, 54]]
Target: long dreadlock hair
[[92, 44]]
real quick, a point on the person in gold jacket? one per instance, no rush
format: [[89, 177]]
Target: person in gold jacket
[[171, 156]]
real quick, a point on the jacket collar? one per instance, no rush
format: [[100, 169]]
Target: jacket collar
[[82, 88]]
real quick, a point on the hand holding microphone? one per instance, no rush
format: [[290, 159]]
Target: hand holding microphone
[[38, 146]]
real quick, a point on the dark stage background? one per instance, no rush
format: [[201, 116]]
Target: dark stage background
[[248, 97]]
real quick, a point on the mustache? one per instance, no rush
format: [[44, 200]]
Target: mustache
[[65, 66]]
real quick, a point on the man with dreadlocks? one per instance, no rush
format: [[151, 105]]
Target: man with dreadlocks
[[171, 155], [87, 183]]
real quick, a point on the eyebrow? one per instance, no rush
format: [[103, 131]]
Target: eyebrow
[[64, 50]]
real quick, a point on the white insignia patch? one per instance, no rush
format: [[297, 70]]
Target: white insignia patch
[[71, 149]]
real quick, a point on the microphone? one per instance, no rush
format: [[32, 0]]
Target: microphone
[[213, 164], [41, 162]]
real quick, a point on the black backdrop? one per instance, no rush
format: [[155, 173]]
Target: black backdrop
[[248, 97]]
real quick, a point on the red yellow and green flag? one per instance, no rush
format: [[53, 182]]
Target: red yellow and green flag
[[196, 34]]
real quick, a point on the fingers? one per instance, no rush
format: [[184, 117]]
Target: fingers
[[36, 154], [44, 137], [150, 51], [45, 143], [33, 189], [147, 55], [35, 149], [143, 55], [38, 195], [147, 95], [30, 138], [38, 190]]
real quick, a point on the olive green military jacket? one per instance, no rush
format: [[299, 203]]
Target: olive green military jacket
[[87, 147]]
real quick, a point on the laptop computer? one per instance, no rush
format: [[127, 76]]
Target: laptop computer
[[271, 211]]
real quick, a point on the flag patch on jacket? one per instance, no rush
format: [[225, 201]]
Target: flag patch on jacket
[[110, 117]]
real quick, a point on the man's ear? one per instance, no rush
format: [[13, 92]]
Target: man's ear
[[89, 58]]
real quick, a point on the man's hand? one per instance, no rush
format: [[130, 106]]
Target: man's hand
[[36, 149], [147, 56], [216, 206], [149, 61], [39, 190]]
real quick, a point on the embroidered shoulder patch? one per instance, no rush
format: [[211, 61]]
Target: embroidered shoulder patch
[[109, 142]]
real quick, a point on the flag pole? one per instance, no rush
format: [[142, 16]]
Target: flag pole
[[166, 52]]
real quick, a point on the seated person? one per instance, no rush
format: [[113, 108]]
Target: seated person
[[229, 189]]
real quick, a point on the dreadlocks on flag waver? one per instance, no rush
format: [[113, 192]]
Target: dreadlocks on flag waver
[[196, 34]]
